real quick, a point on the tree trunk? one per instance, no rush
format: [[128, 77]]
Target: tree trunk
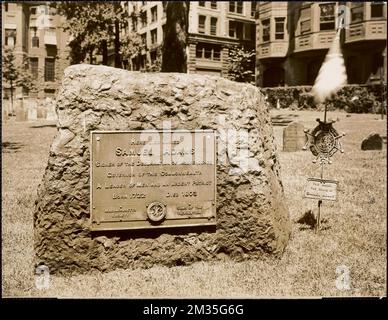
[[104, 45], [117, 45], [91, 56], [174, 47], [11, 89]]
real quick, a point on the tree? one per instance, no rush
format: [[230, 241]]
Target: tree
[[93, 27], [16, 75], [155, 65], [174, 48], [241, 67], [131, 46], [25, 78], [9, 72]]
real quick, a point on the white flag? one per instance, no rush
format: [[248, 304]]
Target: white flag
[[332, 75]]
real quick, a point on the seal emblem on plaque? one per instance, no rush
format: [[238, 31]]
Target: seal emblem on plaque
[[156, 211]]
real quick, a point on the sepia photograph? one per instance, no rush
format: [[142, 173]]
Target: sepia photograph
[[194, 150]]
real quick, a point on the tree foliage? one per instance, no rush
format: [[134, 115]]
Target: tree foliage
[[174, 48], [241, 64], [131, 46], [156, 65], [93, 26], [16, 74], [25, 79]]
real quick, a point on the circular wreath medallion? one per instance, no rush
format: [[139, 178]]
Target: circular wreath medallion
[[325, 140], [156, 211]]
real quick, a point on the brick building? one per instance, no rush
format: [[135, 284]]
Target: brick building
[[214, 26], [292, 39], [33, 30]]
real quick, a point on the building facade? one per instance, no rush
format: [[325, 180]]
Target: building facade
[[32, 30], [292, 39], [214, 26]]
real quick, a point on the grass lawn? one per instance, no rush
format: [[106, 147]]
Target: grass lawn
[[353, 235]]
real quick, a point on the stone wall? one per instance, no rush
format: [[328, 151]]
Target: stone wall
[[351, 98], [252, 218]]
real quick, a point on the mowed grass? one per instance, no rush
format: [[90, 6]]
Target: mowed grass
[[353, 234]]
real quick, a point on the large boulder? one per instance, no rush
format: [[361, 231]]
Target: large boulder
[[252, 218]]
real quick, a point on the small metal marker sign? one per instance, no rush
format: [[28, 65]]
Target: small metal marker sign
[[321, 189]]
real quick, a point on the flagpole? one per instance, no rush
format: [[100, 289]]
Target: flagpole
[[324, 115], [324, 87]]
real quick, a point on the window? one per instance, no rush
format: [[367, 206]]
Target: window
[[327, 17], [33, 11], [49, 92], [377, 9], [213, 4], [279, 28], [34, 38], [213, 26], [134, 23], [143, 17], [154, 14], [143, 61], [266, 30], [35, 41], [154, 36], [236, 29], [208, 51], [240, 6], [232, 6], [6, 7], [253, 9], [201, 3], [144, 39], [357, 11], [236, 6], [34, 67], [49, 69], [164, 31], [153, 56], [201, 24], [25, 92], [10, 37], [305, 20], [305, 26], [164, 3]]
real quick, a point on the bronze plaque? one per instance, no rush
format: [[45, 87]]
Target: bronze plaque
[[152, 179], [321, 189]]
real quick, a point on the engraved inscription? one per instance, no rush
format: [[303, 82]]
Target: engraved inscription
[[174, 171], [321, 189]]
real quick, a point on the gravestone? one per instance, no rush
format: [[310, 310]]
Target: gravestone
[[294, 137], [41, 112], [372, 142], [21, 113], [32, 109], [5, 114], [50, 112], [241, 215], [6, 106]]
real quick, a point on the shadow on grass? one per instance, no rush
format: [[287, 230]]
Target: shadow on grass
[[283, 119], [52, 125], [309, 222], [10, 147]]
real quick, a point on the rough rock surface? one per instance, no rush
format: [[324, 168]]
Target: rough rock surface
[[252, 219], [372, 142]]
